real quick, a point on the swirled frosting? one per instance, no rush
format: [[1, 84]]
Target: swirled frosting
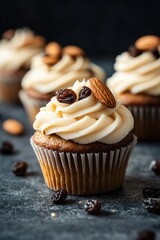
[[63, 74], [84, 121], [139, 74], [14, 53]]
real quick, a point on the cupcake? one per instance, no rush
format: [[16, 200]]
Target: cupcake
[[137, 84], [83, 139], [56, 69], [17, 47]]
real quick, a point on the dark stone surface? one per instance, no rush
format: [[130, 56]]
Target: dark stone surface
[[25, 202]]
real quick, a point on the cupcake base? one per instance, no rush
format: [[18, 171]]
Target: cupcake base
[[84, 173]]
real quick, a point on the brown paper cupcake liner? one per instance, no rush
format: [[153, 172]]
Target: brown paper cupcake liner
[[31, 105], [84, 174], [146, 122]]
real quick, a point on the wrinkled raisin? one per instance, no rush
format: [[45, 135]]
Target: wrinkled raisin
[[152, 205], [155, 166], [134, 52], [84, 93], [151, 192], [92, 206], [146, 235], [66, 96], [20, 168], [6, 148], [59, 196], [156, 53]]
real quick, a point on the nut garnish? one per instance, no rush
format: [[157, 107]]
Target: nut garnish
[[13, 127], [8, 34], [148, 42], [50, 60], [102, 93], [73, 51], [53, 48]]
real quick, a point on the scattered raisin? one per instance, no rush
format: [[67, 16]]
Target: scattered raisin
[[66, 96], [92, 206], [134, 52], [156, 53], [59, 196], [152, 205], [6, 148], [146, 235], [155, 166], [84, 93], [20, 168], [149, 192]]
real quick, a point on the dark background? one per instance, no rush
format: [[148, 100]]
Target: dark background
[[101, 27]]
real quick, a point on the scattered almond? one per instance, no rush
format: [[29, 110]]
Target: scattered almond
[[102, 93], [53, 48], [50, 60], [73, 51], [13, 127], [148, 42]]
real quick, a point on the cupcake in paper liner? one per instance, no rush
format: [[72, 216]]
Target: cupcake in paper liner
[[137, 84], [17, 47], [84, 139], [57, 68]]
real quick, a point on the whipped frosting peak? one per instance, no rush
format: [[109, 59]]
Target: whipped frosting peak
[[84, 121], [17, 51]]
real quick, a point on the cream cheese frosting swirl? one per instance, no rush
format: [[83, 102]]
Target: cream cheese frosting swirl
[[85, 121], [136, 75], [15, 53], [64, 73]]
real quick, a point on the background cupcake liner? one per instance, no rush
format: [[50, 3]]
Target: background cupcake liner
[[147, 121], [9, 88], [31, 105], [84, 174]]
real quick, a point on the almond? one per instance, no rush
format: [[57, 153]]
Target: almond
[[102, 93], [13, 127], [148, 42], [53, 48], [50, 60], [73, 51], [8, 34]]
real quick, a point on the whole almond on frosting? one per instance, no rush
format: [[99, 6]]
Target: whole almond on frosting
[[13, 127], [50, 60], [148, 42], [102, 93], [73, 51], [53, 48]]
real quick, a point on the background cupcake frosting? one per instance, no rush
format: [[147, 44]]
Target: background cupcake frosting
[[84, 121]]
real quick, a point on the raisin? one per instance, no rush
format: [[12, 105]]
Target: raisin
[[20, 168], [156, 53], [152, 205], [7, 148], [155, 166], [92, 206], [84, 93], [66, 96], [151, 192], [134, 52], [146, 235], [59, 196]]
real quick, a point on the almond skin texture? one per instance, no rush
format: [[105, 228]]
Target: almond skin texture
[[73, 51], [53, 48], [148, 42], [102, 93], [13, 127]]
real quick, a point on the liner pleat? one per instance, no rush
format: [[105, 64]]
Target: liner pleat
[[84, 174], [147, 122], [31, 105]]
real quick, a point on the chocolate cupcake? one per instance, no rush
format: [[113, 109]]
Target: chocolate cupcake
[[56, 69], [83, 139], [17, 47], [137, 84]]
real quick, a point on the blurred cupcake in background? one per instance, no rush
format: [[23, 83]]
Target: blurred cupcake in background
[[57, 68], [17, 47], [137, 84]]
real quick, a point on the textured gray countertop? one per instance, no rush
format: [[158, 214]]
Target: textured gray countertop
[[26, 208]]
